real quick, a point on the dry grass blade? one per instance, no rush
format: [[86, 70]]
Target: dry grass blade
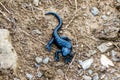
[[5, 8]]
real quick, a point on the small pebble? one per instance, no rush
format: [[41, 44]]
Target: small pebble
[[104, 47], [90, 72], [36, 2], [104, 17], [36, 31], [86, 64], [85, 14], [92, 52], [38, 59], [94, 11], [96, 77], [39, 74], [37, 65], [85, 77], [83, 7], [105, 61], [46, 60], [29, 76], [16, 79], [108, 13]]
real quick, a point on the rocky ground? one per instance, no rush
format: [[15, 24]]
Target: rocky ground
[[92, 25]]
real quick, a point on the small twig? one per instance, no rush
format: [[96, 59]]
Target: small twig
[[76, 5], [69, 67], [5, 16], [5, 8]]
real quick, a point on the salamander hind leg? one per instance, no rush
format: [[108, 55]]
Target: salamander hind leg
[[57, 55], [48, 46]]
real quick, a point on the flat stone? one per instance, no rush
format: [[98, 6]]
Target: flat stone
[[104, 47], [86, 64], [8, 56], [106, 62]]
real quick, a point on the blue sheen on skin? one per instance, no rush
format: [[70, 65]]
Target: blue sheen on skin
[[63, 43]]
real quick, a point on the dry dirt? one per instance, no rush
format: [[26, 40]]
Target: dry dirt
[[21, 17]]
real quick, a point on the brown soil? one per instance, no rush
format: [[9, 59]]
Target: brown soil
[[21, 17]]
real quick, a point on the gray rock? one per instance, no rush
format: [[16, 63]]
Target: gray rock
[[38, 59], [46, 60], [85, 77], [36, 31], [104, 17], [96, 77], [94, 11], [39, 74], [8, 56], [86, 64], [104, 47], [29, 76]]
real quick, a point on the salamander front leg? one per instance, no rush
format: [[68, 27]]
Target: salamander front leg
[[65, 38], [48, 46], [57, 55]]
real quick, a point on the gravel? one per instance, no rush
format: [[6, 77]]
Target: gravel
[[94, 11]]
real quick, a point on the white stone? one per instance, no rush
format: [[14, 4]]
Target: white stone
[[105, 61], [8, 56], [36, 2], [85, 77], [38, 59], [86, 64]]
